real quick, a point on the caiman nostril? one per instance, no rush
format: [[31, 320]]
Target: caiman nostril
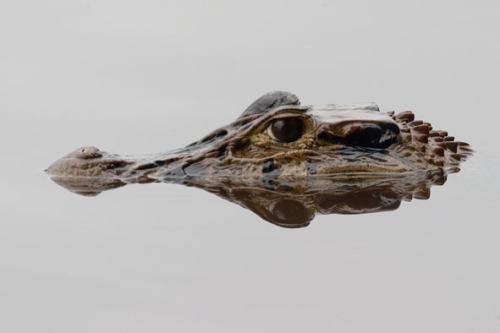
[[88, 153]]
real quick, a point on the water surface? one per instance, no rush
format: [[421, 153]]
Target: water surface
[[134, 79]]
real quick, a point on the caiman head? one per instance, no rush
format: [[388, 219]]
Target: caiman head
[[277, 138], [286, 162]]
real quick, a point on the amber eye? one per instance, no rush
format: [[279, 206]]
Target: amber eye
[[287, 129]]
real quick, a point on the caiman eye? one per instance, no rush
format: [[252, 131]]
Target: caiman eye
[[286, 129]]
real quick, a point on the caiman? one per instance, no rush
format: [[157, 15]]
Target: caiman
[[278, 143]]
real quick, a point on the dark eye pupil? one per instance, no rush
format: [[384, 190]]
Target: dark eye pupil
[[288, 129]]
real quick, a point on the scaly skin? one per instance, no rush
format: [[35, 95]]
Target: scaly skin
[[338, 144], [244, 148]]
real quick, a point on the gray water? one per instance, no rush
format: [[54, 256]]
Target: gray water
[[144, 77]]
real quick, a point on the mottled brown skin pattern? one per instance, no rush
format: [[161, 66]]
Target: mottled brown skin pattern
[[354, 141], [434, 147], [287, 162]]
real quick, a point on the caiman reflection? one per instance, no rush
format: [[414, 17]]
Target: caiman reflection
[[286, 162]]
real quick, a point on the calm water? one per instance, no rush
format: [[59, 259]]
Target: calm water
[[135, 78]]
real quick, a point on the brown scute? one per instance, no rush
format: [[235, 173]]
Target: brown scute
[[422, 193], [465, 149], [441, 144], [438, 151], [421, 138], [422, 129], [451, 145], [433, 133], [442, 133], [406, 116], [416, 123]]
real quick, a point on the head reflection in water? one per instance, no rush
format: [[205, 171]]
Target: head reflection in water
[[287, 162]]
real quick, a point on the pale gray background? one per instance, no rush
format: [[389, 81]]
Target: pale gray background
[[147, 76]]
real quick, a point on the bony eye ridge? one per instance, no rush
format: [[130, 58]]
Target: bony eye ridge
[[287, 129]]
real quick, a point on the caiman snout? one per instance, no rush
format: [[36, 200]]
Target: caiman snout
[[87, 153], [88, 162]]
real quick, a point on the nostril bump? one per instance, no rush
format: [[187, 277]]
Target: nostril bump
[[88, 153]]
